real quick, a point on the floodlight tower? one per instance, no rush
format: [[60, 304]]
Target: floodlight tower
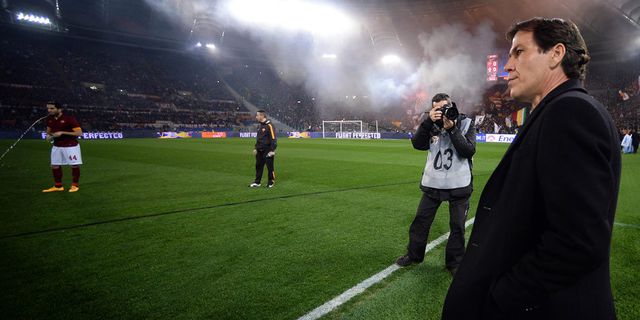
[[44, 14], [207, 29], [384, 39]]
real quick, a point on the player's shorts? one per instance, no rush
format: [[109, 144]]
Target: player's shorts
[[70, 156]]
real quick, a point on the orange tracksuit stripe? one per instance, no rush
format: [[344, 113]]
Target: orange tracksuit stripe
[[273, 135]]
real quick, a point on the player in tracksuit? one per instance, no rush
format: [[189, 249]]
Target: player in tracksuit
[[265, 149]]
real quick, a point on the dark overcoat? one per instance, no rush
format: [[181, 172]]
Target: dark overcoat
[[539, 248]]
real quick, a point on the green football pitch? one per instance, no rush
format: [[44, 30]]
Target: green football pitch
[[168, 229]]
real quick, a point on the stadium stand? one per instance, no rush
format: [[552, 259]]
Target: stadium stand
[[122, 87], [113, 87]]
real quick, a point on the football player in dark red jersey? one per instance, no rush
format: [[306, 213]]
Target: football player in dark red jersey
[[64, 131]]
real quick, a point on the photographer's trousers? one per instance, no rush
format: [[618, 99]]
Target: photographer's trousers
[[419, 230], [261, 160]]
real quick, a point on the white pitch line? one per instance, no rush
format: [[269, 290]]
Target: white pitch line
[[627, 225], [364, 285]]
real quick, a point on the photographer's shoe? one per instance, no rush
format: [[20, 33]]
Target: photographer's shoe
[[405, 261], [254, 185]]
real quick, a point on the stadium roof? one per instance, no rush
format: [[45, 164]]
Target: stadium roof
[[173, 20]]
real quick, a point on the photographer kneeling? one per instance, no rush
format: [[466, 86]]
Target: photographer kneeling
[[450, 139]]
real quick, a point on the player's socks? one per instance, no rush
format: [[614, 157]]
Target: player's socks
[[57, 176], [75, 172]]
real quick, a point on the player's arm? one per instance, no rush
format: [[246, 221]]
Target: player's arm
[[272, 138], [77, 131], [48, 136]]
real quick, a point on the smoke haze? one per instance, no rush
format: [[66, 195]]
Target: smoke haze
[[453, 61]]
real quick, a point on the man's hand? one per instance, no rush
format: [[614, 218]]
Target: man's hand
[[56, 134], [255, 152], [435, 114], [48, 137], [271, 154], [448, 124]]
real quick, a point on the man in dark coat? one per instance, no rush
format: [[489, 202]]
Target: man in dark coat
[[539, 248]]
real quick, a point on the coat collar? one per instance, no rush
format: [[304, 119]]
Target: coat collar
[[569, 85]]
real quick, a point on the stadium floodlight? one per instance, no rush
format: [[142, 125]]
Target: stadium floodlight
[[390, 59], [33, 18], [330, 56], [198, 44], [210, 46], [295, 15]]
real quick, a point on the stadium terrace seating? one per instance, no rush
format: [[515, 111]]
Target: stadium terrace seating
[[112, 86]]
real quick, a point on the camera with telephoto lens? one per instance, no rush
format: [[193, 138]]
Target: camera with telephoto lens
[[450, 111]]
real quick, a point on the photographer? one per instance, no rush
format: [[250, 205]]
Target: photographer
[[450, 139]]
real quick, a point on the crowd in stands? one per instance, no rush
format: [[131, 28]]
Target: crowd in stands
[[614, 83], [293, 105], [111, 86], [115, 87], [263, 87], [496, 114]]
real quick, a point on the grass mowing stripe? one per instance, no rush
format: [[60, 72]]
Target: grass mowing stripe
[[627, 225], [364, 285], [151, 215]]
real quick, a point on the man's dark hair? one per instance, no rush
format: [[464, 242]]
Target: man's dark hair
[[261, 111], [549, 32], [55, 104], [441, 96]]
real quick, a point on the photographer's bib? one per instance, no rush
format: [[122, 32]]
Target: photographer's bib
[[445, 169]]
